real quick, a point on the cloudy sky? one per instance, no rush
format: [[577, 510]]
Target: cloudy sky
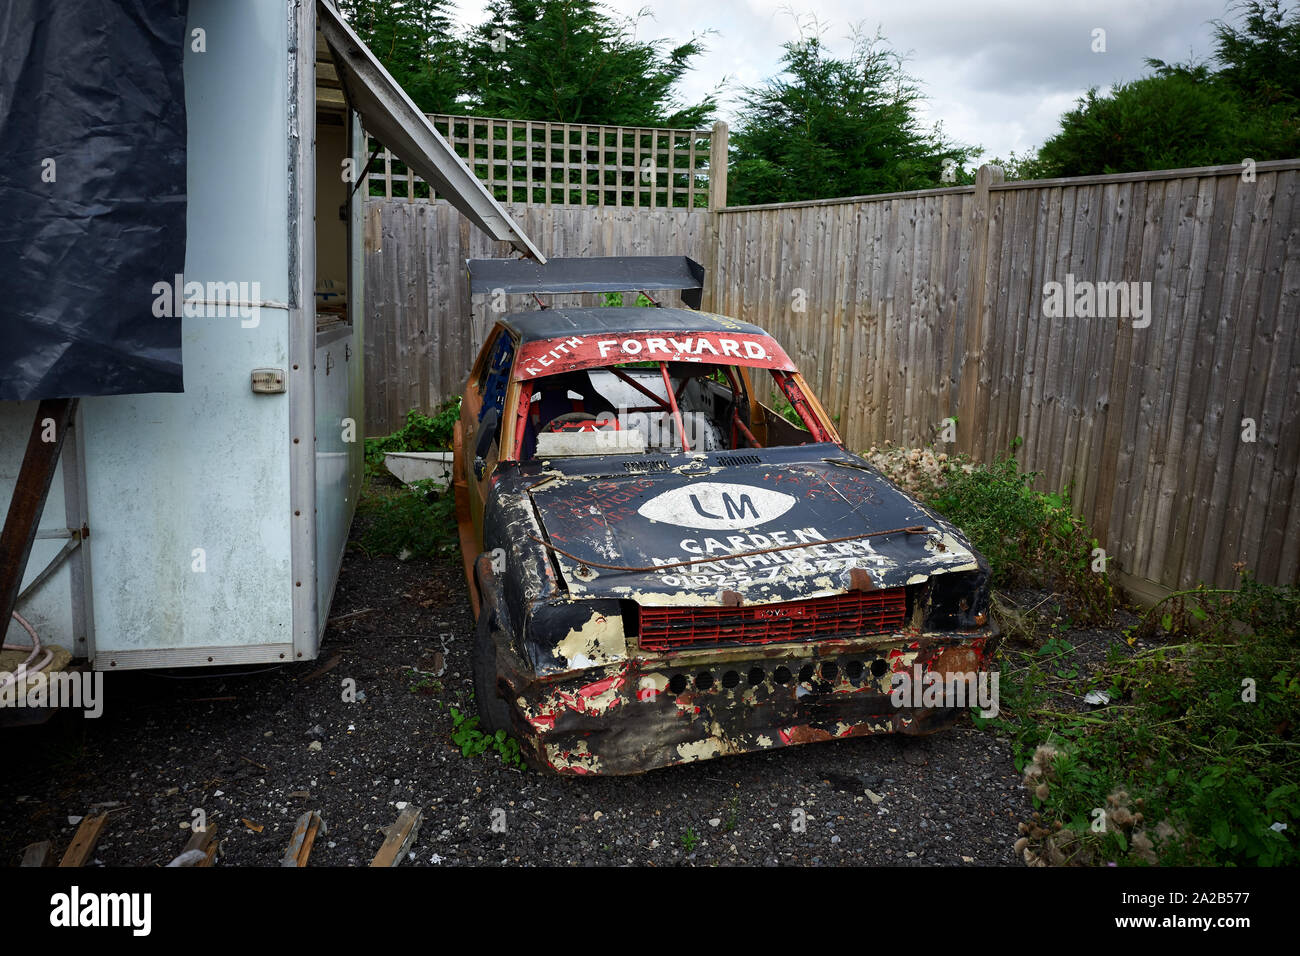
[[997, 73]]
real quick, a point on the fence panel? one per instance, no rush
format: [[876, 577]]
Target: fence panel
[[932, 305]]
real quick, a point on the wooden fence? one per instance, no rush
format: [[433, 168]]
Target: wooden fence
[[907, 310], [910, 309], [422, 332], [522, 161]]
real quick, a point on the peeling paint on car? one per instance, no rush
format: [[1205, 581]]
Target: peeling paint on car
[[599, 641]]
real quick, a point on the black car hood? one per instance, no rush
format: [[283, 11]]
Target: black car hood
[[768, 531]]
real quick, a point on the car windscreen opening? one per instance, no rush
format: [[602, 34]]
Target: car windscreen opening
[[661, 408]]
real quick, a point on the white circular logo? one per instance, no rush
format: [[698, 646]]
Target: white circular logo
[[717, 506]]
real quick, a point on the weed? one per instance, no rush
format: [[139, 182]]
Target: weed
[[690, 840], [1028, 536], [422, 683], [733, 814], [417, 520], [1057, 650], [1193, 762], [473, 742]]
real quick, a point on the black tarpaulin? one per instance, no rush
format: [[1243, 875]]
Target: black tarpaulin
[[92, 195]]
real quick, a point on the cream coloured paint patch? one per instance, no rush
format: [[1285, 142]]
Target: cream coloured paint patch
[[579, 756], [650, 686], [947, 544], [599, 642], [699, 749]]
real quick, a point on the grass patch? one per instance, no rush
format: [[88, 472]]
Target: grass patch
[[415, 520]]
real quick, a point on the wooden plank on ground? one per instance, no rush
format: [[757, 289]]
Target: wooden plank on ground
[[401, 835], [83, 843], [309, 826]]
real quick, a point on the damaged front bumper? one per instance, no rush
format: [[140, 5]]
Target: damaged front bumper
[[657, 711]]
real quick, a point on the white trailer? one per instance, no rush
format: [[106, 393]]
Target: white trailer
[[207, 527]]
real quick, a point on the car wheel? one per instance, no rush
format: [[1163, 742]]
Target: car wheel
[[493, 712]]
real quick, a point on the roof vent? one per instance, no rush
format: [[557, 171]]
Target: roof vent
[[649, 464]]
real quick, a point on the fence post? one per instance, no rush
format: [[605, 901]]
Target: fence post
[[718, 167], [717, 200], [973, 398]]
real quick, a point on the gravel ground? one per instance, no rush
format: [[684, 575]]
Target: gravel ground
[[265, 745]]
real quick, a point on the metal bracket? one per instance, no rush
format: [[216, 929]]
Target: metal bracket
[[74, 541]]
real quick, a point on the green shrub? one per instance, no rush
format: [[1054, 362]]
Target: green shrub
[[420, 433], [1029, 537]]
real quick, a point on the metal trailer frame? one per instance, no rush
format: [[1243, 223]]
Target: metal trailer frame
[[215, 519]]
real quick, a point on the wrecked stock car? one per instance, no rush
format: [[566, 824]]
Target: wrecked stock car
[[663, 568]]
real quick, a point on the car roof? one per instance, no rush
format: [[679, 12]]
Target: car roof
[[544, 324]]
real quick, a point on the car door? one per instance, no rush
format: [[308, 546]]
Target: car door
[[483, 408], [478, 436]]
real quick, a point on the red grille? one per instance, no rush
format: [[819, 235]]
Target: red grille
[[858, 612]]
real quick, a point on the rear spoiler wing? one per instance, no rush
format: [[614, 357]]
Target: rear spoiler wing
[[595, 274]]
